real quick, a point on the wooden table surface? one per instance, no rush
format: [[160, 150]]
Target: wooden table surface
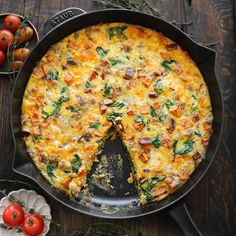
[[212, 203]]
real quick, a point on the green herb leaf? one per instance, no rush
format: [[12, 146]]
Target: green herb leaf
[[114, 61], [95, 125], [52, 75], [70, 60], [117, 31], [74, 110], [76, 164], [152, 111], [50, 168], [139, 119], [118, 104], [198, 133], [107, 91], [149, 184], [101, 52], [162, 117], [166, 64], [157, 87], [64, 90], [156, 141], [36, 138], [114, 115], [169, 104], [57, 104], [187, 147], [87, 85]]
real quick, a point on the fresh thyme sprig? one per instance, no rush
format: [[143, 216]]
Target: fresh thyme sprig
[[143, 6]]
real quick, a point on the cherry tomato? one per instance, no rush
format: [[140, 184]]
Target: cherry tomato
[[2, 57], [6, 37], [20, 54], [25, 34], [33, 225], [16, 65], [12, 23], [13, 215]]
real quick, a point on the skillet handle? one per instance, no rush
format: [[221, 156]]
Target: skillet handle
[[60, 17], [179, 212]]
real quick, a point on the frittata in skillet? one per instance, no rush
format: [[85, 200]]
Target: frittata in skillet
[[124, 77]]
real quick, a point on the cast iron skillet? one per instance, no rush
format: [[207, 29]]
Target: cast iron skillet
[[117, 202]]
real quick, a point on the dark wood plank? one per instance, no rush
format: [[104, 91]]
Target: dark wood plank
[[212, 202]]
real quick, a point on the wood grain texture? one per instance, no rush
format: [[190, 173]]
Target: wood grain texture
[[212, 202]]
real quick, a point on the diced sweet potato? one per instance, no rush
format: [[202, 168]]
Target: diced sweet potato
[[157, 192], [131, 110], [138, 126], [93, 75], [186, 123], [207, 125], [103, 109], [128, 134], [107, 101], [98, 134], [178, 70], [176, 111], [167, 143], [144, 156], [156, 105], [166, 55], [146, 81], [145, 109], [35, 131], [89, 147], [184, 176], [69, 79]]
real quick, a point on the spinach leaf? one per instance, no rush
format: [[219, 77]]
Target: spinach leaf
[[149, 184], [139, 119], [64, 90], [117, 31], [157, 87], [114, 115], [52, 75], [70, 60], [118, 104], [107, 91], [50, 168], [169, 104], [114, 60], [76, 164], [87, 85], [156, 141], [101, 52], [187, 147], [152, 111], [166, 64], [95, 125], [74, 110], [36, 138], [57, 104], [198, 133], [162, 117]]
